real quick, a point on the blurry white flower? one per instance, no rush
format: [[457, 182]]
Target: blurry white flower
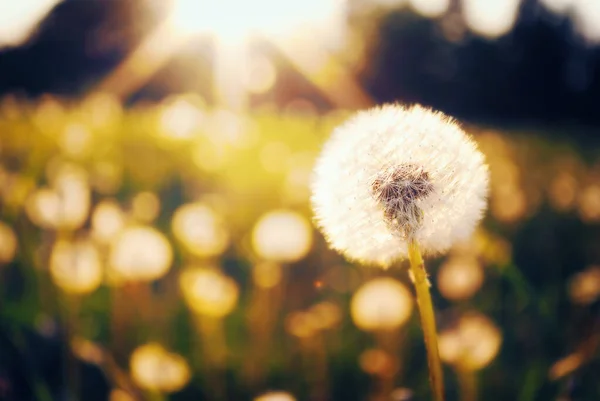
[[393, 173]]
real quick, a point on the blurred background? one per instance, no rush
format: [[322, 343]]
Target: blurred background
[[155, 230]]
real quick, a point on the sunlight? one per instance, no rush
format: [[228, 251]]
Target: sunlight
[[18, 19], [236, 19]]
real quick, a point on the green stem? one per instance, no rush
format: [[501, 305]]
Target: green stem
[[421, 282], [71, 322], [155, 395], [468, 384]]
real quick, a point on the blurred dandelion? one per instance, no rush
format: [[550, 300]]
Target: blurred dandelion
[[87, 351], [393, 179], [470, 345], [430, 8], [76, 141], [381, 304], [584, 287], [301, 324], [378, 362], [145, 207], [208, 292], [65, 205], [8, 243], [180, 119], [282, 236], [563, 191], [200, 230], [402, 394], [326, 314], [490, 19], [275, 396], [211, 296], [15, 189], [75, 267], [384, 365], [589, 203], [107, 220], [460, 277], [155, 369], [120, 395], [267, 274], [106, 177], [139, 253]]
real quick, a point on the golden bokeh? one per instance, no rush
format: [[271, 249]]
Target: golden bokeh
[[472, 343], [145, 207], [266, 274], [589, 203], [326, 314], [15, 188], [275, 396], [154, 368], [76, 141], [87, 351], [75, 266], [108, 220], [584, 287], [200, 230], [181, 119], [106, 177], [120, 395], [342, 279], [8, 243], [208, 292], [381, 304], [460, 277], [562, 192], [65, 205], [139, 253], [377, 362], [508, 204], [260, 75], [282, 236], [566, 365], [301, 324]]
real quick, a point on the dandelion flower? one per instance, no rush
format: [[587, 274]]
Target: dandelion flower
[[394, 173]]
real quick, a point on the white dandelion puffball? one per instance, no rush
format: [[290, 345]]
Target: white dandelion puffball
[[395, 173]]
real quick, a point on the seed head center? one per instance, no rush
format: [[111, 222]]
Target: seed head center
[[396, 190]]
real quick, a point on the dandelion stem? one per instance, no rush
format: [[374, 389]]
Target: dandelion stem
[[468, 384], [427, 319]]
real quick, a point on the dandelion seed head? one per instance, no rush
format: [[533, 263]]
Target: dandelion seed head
[[393, 173]]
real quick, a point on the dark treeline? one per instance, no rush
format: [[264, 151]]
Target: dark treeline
[[542, 72]]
